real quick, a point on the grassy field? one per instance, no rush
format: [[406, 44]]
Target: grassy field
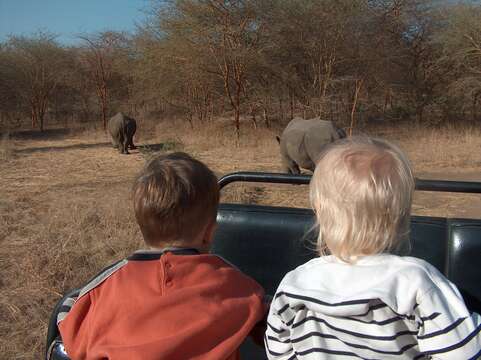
[[65, 209]]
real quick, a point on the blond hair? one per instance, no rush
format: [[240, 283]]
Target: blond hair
[[361, 193], [175, 197]]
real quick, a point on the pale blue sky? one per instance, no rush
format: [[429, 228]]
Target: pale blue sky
[[67, 18]]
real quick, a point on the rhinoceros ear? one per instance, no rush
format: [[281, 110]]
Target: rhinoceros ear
[[278, 139]]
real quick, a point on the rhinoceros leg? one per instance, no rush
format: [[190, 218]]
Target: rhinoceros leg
[[125, 149], [131, 144], [294, 169], [125, 145], [121, 143], [311, 166], [290, 166], [130, 129]]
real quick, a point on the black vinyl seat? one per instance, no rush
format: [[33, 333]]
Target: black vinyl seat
[[463, 266], [266, 242]]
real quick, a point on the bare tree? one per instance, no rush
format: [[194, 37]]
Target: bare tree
[[460, 40], [99, 56], [221, 38], [33, 68]]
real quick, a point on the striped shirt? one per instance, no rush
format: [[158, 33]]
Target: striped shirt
[[382, 307]]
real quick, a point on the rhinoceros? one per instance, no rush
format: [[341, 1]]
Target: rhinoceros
[[302, 141], [122, 129]]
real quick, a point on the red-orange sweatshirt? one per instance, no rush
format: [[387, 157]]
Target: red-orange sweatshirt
[[153, 306]]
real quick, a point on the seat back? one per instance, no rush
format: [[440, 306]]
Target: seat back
[[266, 242], [462, 265]]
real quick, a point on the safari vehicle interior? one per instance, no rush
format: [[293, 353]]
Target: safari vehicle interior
[[266, 242]]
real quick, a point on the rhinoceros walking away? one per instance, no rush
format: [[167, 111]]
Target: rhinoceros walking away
[[122, 129], [302, 141]]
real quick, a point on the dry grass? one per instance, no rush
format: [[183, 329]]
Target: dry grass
[[449, 148], [6, 149], [65, 211]]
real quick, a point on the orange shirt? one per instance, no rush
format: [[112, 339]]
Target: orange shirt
[[170, 307]]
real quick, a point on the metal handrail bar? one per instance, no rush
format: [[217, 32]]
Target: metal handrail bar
[[471, 187]]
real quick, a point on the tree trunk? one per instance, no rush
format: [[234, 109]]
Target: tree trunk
[[354, 104], [103, 95], [33, 116], [281, 108], [41, 117], [191, 121], [266, 117], [291, 103], [104, 116], [253, 116], [237, 122], [474, 109], [420, 114]]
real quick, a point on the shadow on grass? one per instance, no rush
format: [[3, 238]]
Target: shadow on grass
[[62, 148], [145, 149], [47, 134]]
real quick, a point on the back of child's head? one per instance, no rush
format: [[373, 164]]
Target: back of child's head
[[361, 192], [175, 198]]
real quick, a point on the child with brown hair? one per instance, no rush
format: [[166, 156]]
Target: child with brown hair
[[173, 300], [360, 301]]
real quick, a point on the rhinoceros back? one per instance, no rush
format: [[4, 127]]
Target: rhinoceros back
[[116, 124], [320, 134], [302, 140]]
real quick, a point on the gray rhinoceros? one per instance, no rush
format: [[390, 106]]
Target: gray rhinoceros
[[302, 141], [122, 129]]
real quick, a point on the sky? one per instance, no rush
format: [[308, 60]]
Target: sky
[[68, 18]]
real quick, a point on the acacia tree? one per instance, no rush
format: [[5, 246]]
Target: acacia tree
[[309, 47], [10, 101], [368, 55], [412, 25], [333, 58], [220, 38], [233, 45], [100, 52], [33, 67], [460, 40]]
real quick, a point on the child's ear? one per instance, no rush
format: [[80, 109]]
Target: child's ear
[[209, 233]]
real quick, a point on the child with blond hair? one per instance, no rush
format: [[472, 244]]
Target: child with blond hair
[[172, 300], [357, 300]]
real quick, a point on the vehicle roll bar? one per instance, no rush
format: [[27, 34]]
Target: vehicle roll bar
[[471, 187]]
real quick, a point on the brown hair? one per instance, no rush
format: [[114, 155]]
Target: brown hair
[[175, 197]]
